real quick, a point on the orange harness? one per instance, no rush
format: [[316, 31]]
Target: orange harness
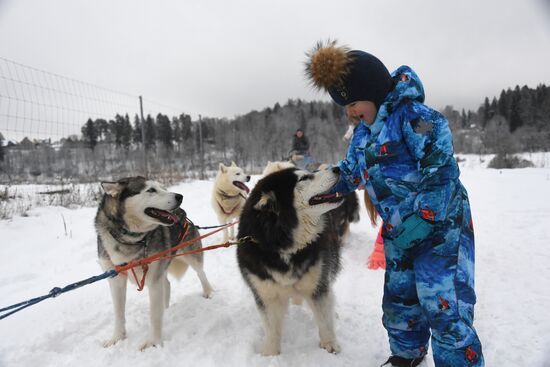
[[167, 254], [232, 210]]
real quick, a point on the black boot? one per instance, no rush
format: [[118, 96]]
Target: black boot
[[397, 361]]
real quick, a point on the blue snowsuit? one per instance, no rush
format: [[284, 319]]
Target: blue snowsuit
[[405, 162]]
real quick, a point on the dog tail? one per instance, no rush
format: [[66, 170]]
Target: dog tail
[[177, 268]]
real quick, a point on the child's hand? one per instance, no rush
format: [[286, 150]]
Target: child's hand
[[413, 230]]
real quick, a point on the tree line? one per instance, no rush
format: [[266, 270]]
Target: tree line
[[179, 146]]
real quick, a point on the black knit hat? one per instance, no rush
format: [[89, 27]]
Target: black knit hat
[[348, 75]]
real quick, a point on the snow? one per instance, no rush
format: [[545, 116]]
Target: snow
[[55, 246]]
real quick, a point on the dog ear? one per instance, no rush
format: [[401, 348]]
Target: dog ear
[[111, 188], [223, 168], [233, 164], [267, 203]]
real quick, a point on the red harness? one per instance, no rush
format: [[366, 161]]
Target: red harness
[[167, 254]]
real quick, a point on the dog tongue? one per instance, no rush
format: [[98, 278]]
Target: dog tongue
[[172, 217], [167, 215], [241, 186], [319, 199]]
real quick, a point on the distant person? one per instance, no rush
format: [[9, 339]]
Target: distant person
[[300, 150], [402, 153], [300, 143]]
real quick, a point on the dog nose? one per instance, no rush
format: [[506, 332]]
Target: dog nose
[[336, 169], [247, 178], [179, 198]]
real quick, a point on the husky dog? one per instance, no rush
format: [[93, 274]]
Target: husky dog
[[290, 248], [138, 218], [342, 216], [276, 166], [229, 195]]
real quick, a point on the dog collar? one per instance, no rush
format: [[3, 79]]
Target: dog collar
[[123, 231], [126, 232], [118, 237], [229, 212], [226, 196]]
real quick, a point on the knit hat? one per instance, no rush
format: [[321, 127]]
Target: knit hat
[[348, 75]]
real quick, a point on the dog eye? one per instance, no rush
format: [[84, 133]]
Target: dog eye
[[152, 190], [306, 177]]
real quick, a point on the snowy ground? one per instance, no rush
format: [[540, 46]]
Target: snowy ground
[[55, 246]]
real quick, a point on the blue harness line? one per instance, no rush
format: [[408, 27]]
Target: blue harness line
[[56, 291]]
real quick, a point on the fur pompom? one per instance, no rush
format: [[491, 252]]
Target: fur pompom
[[327, 65]]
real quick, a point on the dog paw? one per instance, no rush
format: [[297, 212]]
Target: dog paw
[[115, 339], [149, 344], [207, 293], [330, 346]]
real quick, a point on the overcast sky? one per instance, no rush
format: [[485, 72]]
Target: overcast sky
[[227, 57]]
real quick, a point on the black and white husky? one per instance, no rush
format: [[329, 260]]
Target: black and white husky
[[138, 218], [292, 249]]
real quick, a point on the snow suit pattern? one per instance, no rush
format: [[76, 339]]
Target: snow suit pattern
[[405, 161]]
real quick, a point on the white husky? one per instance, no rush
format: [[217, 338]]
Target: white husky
[[276, 166], [229, 195]]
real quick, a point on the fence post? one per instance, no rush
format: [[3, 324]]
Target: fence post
[[143, 140], [201, 150]]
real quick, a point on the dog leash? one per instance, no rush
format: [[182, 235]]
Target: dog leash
[[56, 291], [210, 227], [164, 253], [145, 267]]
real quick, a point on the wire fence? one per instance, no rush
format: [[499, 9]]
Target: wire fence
[[38, 104], [43, 144], [59, 133]]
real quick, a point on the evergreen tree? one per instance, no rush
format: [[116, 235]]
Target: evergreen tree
[[89, 134], [494, 108], [515, 118], [324, 115], [302, 123], [150, 133], [116, 128], [126, 132], [186, 127], [464, 119], [136, 133], [164, 131], [176, 130], [486, 111], [102, 128], [1, 147], [527, 106], [503, 105]]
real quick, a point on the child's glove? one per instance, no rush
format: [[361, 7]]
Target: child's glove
[[377, 259], [413, 230], [342, 186]]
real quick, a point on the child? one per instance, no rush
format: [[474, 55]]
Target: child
[[401, 152]]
